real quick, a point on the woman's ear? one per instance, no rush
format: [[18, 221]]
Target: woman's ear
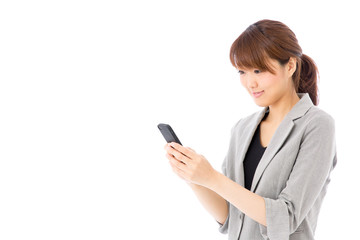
[[291, 66]]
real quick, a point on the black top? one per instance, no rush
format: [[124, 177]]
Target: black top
[[253, 156]]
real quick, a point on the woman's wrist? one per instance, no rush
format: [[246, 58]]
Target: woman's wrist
[[214, 180]]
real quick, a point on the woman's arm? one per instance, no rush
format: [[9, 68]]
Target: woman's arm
[[212, 202], [195, 169], [249, 203]]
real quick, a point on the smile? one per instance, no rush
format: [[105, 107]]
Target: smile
[[257, 94]]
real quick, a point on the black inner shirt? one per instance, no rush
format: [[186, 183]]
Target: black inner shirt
[[253, 156]]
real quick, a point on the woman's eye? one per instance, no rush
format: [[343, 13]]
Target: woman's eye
[[241, 72], [257, 71]]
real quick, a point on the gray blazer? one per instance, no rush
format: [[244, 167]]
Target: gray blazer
[[292, 175]]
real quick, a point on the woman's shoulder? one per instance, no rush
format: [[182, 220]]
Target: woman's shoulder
[[317, 116], [314, 117]]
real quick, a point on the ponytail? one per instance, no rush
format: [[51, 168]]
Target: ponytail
[[307, 83]]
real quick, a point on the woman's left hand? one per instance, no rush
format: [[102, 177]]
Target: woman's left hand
[[189, 165]]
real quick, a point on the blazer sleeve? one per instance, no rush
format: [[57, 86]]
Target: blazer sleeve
[[223, 228], [310, 175]]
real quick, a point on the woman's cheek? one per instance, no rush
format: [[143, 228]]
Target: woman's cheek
[[243, 82]]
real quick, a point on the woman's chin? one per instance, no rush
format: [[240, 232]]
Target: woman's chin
[[260, 103]]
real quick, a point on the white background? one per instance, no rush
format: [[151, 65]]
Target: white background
[[83, 85]]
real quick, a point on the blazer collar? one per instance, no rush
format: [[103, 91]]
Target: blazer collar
[[299, 109], [281, 133]]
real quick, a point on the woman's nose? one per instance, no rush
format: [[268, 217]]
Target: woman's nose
[[251, 82]]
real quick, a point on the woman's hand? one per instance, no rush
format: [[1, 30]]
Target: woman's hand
[[188, 165]]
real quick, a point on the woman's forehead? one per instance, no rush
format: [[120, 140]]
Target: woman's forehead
[[273, 64]]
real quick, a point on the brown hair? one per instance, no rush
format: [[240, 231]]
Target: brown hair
[[272, 39]]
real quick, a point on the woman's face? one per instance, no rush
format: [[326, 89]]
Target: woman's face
[[266, 88]]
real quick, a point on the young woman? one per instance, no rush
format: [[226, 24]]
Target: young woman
[[277, 168]]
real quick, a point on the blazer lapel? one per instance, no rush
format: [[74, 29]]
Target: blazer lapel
[[276, 142], [245, 140], [280, 135]]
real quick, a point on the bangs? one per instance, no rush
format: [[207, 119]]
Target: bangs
[[249, 50]]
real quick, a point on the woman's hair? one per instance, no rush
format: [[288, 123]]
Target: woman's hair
[[272, 39]]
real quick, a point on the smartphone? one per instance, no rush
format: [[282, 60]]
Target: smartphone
[[168, 133]]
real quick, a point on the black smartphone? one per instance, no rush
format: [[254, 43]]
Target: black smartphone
[[168, 133]]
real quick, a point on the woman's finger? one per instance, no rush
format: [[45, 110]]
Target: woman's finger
[[178, 155], [187, 152], [180, 173], [175, 162]]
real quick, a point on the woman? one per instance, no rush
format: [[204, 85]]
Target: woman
[[279, 160]]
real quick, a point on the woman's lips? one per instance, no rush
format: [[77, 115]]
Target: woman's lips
[[257, 94]]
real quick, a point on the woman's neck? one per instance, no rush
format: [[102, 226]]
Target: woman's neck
[[281, 108]]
